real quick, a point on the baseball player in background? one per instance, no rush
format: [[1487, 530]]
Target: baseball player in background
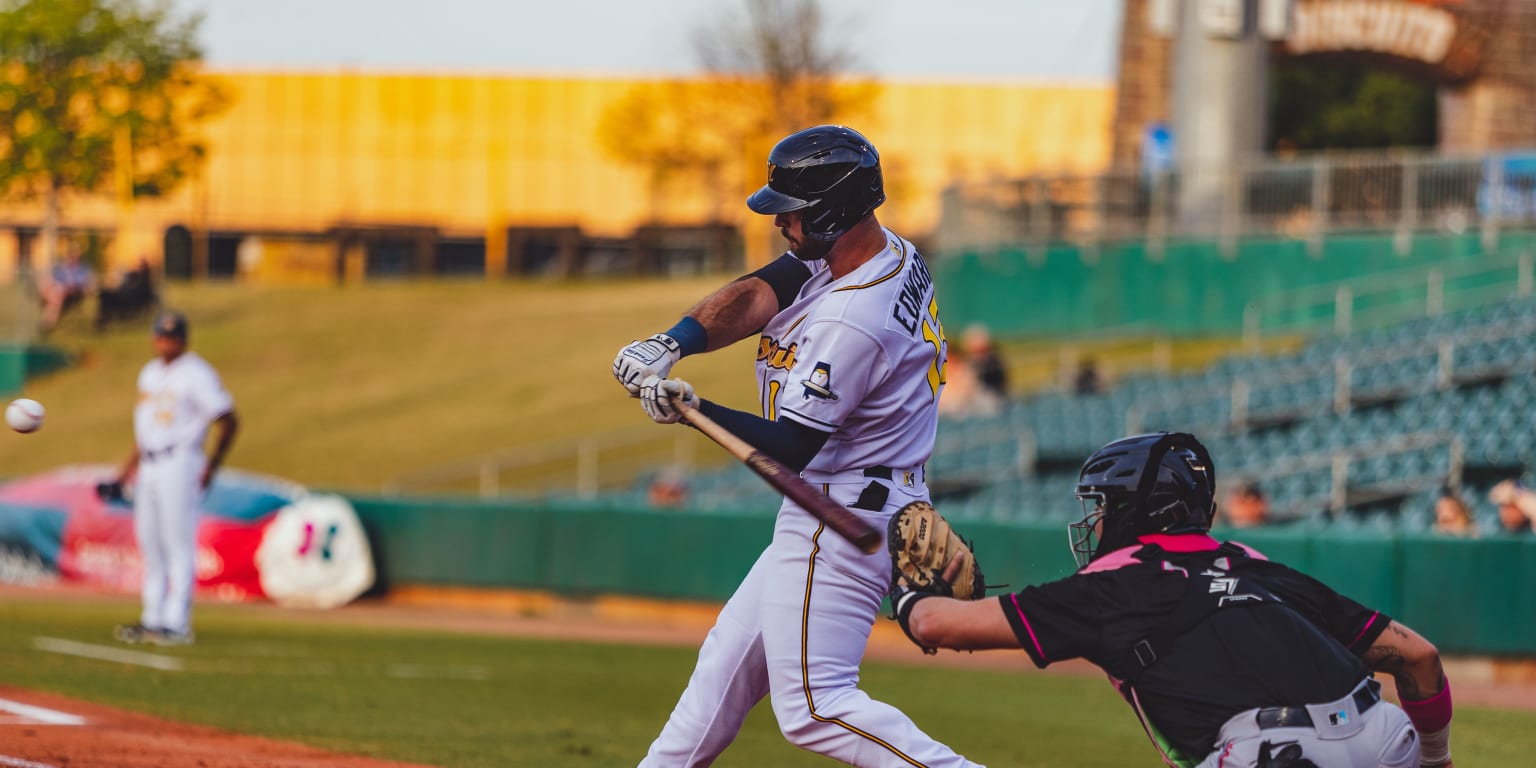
[[180, 397], [850, 364], [1229, 659]]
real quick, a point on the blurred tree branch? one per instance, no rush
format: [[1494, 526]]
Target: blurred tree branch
[[98, 95], [766, 75]]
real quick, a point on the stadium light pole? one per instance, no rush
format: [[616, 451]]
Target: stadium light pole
[[1220, 97]]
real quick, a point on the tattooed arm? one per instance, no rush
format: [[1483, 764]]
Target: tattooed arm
[[1422, 687], [1410, 659]]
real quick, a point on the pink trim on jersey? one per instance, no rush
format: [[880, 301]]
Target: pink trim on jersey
[[1365, 629], [1027, 627], [1170, 542], [1119, 558], [1181, 542]]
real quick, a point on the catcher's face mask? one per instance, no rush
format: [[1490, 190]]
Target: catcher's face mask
[[1084, 534]]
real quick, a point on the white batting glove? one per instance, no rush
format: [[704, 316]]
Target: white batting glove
[[659, 397], [652, 357]]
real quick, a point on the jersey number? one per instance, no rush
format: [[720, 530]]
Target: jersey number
[[933, 332]]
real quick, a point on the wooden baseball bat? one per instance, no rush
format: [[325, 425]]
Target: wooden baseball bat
[[788, 482]]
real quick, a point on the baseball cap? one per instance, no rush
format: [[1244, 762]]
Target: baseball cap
[[169, 322]]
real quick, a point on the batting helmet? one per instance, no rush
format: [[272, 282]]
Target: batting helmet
[[1162, 482], [829, 172]]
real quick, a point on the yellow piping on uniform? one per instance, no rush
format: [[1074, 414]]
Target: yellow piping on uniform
[[902, 249], [805, 675]]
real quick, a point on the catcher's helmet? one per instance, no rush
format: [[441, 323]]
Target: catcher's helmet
[[1162, 482], [829, 172]]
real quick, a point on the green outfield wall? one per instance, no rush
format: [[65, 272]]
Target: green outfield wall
[[1195, 287], [1468, 596], [18, 362]]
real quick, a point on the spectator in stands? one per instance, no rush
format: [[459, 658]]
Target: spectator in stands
[[964, 394], [1451, 515], [66, 284], [1087, 381], [1517, 507], [984, 360], [669, 488], [1246, 507], [133, 296]]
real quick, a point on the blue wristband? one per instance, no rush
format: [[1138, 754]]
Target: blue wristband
[[690, 336]]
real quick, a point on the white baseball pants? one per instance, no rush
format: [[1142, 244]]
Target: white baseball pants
[[166, 507], [1380, 736], [795, 630]]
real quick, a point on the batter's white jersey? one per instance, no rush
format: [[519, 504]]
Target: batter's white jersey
[[861, 357], [177, 402]]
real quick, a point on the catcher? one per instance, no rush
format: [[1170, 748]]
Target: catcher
[[1228, 659]]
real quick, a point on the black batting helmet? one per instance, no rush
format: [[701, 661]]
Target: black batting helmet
[[1162, 482], [830, 173]]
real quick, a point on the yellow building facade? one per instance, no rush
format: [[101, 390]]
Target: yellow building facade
[[299, 157]]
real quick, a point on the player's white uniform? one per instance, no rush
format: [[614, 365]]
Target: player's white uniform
[[177, 402], [862, 358]]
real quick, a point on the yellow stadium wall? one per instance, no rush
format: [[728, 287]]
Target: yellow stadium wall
[[468, 155]]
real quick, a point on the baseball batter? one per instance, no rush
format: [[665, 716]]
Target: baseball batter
[[180, 396], [850, 364], [1229, 659]]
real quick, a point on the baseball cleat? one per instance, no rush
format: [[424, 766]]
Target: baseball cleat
[[133, 634], [170, 637]]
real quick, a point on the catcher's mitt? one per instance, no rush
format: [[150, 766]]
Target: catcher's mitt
[[923, 546]]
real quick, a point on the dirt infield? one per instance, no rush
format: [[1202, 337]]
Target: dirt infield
[[41, 730]]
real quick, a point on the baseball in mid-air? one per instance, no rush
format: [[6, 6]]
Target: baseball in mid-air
[[24, 415]]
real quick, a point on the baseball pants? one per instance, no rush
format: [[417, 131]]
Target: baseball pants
[[795, 630], [1340, 735], [166, 508]]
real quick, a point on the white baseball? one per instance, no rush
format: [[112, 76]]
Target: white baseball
[[24, 415]]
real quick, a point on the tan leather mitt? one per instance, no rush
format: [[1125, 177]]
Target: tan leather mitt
[[923, 546]]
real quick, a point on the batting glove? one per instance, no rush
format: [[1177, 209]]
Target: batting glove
[[651, 357], [659, 398]]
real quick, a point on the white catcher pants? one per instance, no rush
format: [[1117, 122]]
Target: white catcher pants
[[166, 507], [1382, 736], [795, 630]]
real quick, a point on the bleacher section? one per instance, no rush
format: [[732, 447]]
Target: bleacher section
[[1358, 430]]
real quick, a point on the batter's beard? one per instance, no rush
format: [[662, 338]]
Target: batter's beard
[[809, 248]]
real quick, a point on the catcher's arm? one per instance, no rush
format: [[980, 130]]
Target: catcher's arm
[[932, 621], [1422, 688]]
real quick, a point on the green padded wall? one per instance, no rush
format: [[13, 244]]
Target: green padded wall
[[1194, 288], [1466, 596]]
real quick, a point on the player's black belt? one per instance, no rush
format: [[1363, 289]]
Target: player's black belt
[[1365, 697]]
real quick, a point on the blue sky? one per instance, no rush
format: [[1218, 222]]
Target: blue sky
[[939, 39]]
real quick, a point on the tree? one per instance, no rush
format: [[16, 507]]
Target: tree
[[766, 76], [98, 95], [1343, 105]]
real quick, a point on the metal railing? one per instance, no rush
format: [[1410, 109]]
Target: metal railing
[[1344, 306], [1341, 492], [1340, 371], [1305, 197]]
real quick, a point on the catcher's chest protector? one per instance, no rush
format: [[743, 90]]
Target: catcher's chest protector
[[1215, 581]]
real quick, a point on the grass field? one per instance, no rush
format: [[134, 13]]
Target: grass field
[[463, 699], [349, 387]]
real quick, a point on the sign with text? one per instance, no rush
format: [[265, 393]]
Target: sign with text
[[1445, 37]]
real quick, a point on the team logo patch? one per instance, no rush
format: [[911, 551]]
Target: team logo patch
[[819, 385]]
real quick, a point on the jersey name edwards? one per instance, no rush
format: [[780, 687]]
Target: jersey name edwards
[[912, 302]]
